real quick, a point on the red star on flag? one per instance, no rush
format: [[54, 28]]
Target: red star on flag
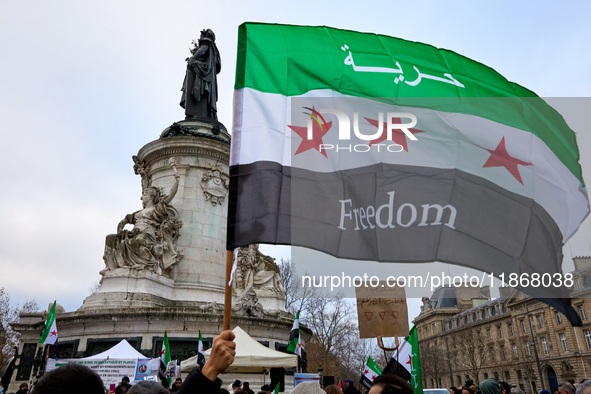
[[163, 352], [409, 362], [366, 371], [53, 333], [501, 158], [373, 377], [317, 133], [398, 135]]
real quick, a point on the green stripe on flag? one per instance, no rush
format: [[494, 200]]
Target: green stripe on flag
[[48, 324], [293, 60]]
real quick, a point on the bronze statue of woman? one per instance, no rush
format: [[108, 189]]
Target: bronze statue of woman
[[200, 87]]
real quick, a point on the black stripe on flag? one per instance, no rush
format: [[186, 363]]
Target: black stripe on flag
[[428, 214]]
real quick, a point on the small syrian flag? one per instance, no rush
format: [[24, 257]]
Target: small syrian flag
[[406, 362], [200, 353], [49, 333], [295, 345], [165, 357], [370, 372], [340, 385], [276, 390]]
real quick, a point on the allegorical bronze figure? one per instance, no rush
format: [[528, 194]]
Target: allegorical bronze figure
[[200, 88]]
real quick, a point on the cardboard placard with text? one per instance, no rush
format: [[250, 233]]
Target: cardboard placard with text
[[382, 311]]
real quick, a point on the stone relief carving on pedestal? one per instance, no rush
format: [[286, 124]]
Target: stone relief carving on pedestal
[[257, 271], [215, 186], [248, 305], [152, 243]]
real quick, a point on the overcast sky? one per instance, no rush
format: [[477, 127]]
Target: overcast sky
[[85, 84]]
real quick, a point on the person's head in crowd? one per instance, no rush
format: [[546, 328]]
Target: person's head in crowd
[[566, 388], [241, 391], [584, 387], [236, 385], [505, 388], [333, 389], [224, 391], [308, 387], [490, 386], [390, 384], [517, 390], [178, 383], [468, 382], [148, 387], [544, 391], [349, 382], [266, 389], [467, 390], [70, 379], [246, 386], [23, 388], [452, 389]]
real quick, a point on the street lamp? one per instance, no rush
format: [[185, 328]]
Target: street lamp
[[531, 331], [320, 375], [451, 378]]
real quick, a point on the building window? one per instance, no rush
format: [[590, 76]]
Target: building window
[[503, 354], [500, 332], [582, 312], [497, 309], [558, 318], [522, 322], [563, 341], [511, 332], [515, 351], [540, 322], [459, 380], [492, 354], [485, 376], [545, 346], [528, 348], [497, 376], [489, 334], [588, 338], [508, 377], [578, 285]]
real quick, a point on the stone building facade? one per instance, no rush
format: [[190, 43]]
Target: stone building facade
[[464, 334]]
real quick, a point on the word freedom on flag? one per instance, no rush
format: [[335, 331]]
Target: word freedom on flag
[[370, 147]]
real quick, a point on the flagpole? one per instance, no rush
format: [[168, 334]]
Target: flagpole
[[228, 291]]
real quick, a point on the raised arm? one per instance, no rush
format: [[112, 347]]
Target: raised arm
[[173, 189]]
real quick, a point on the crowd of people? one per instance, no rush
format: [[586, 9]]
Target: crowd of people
[[74, 379], [491, 386]]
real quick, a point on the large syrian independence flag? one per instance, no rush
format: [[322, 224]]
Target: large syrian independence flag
[[370, 147]]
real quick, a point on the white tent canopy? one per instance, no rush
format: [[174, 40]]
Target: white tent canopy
[[251, 356], [122, 350]]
